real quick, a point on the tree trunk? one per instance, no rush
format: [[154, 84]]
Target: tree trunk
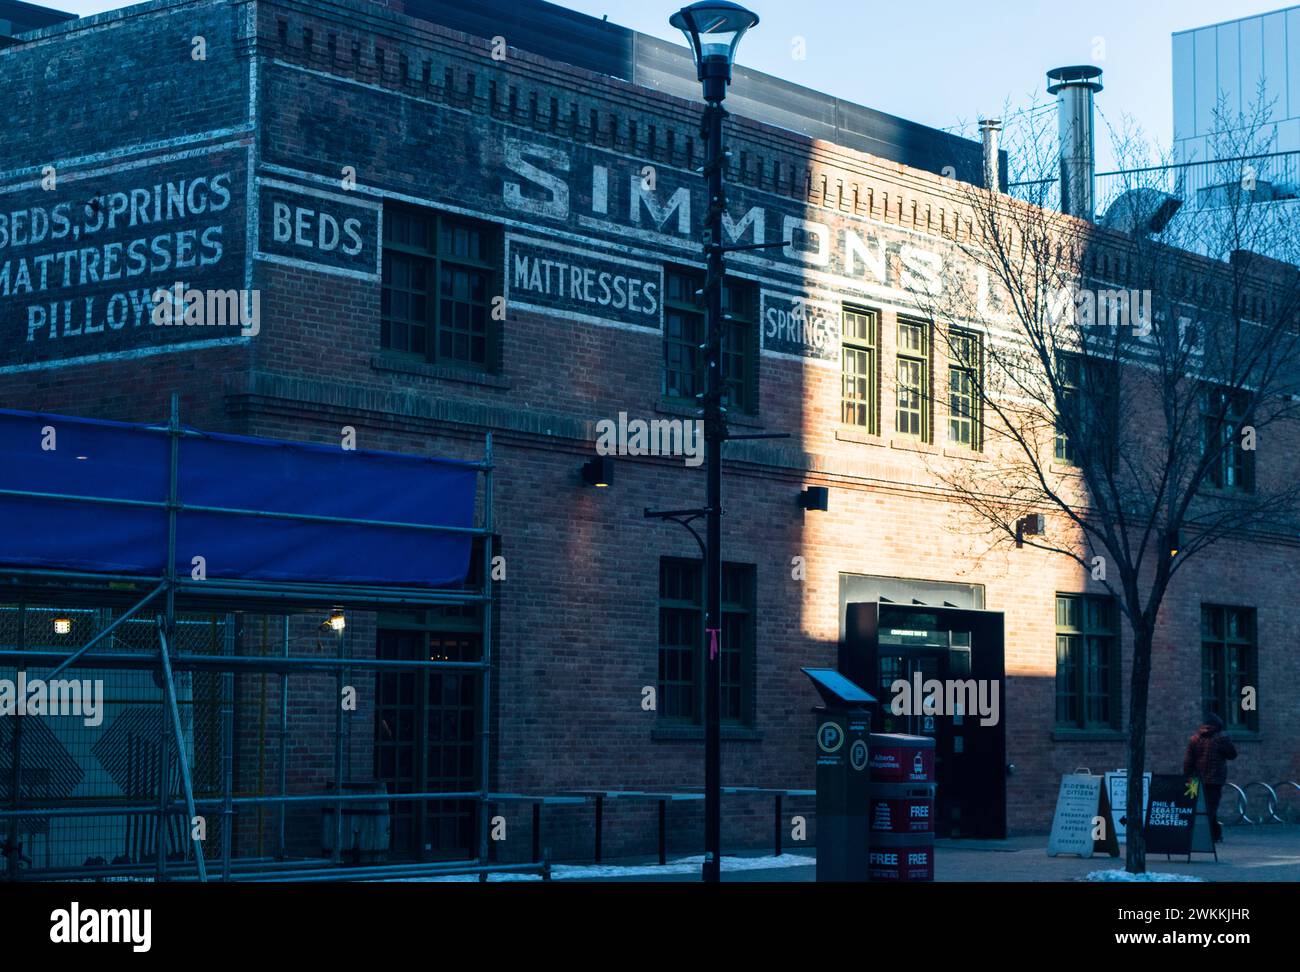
[[1135, 848]]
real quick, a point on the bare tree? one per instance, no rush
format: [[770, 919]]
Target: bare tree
[[1130, 373]]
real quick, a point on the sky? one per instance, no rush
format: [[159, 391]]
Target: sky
[[945, 63]]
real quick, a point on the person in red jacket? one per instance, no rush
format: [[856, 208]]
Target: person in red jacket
[[1208, 752]]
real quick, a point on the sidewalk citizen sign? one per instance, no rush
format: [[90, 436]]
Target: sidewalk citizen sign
[[1083, 823], [1177, 821], [843, 726], [1117, 791]]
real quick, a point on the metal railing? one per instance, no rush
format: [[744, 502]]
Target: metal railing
[[1209, 184], [1275, 176]]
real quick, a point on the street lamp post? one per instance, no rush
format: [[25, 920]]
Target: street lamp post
[[714, 29]]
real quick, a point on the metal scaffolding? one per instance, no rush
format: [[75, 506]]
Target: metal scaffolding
[[160, 805]]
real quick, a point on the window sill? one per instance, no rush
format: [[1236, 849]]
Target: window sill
[[1226, 492], [686, 410], [956, 452], [908, 444], [854, 435], [1089, 735], [411, 366], [696, 734]]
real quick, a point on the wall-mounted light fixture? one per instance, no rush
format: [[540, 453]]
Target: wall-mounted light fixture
[[815, 498], [1033, 525], [62, 625], [599, 472], [1175, 540], [336, 621]]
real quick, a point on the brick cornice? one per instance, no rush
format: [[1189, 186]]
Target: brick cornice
[[816, 155], [319, 402]]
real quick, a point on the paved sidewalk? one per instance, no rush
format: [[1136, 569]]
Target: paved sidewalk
[[1262, 854], [1248, 854]]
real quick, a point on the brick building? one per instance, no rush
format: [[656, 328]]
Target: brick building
[[457, 233]]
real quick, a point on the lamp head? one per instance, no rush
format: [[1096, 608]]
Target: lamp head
[[714, 28]]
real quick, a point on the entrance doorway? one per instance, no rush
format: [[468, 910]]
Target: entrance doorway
[[917, 643], [426, 725]]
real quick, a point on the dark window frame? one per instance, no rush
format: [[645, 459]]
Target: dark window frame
[[968, 368], [1092, 383], [682, 356], [739, 598], [1224, 413], [860, 411], [1088, 663], [436, 260], [922, 359], [1069, 377], [1221, 683]]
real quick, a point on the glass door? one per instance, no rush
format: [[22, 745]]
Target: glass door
[[425, 727], [924, 653]]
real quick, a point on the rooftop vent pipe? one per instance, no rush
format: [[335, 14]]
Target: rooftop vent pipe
[[1074, 87], [989, 129]]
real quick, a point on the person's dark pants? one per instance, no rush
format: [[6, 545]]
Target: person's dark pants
[[1213, 794]]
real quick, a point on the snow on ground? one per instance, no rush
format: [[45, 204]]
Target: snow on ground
[[598, 872], [1124, 876]]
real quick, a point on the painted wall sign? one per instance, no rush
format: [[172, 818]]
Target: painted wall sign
[[590, 189], [800, 325], [81, 264], [616, 204], [318, 230], [583, 284]]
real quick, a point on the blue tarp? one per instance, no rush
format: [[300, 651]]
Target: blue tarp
[[115, 460]]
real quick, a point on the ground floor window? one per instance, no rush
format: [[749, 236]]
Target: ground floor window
[[1228, 664], [683, 641], [1087, 662]]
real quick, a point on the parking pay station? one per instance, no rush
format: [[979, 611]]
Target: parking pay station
[[875, 791], [843, 794]]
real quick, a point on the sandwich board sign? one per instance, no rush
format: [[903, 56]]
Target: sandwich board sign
[[1082, 824], [1177, 821], [1117, 791]]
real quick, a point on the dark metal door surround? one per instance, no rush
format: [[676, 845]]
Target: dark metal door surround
[[885, 642]]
